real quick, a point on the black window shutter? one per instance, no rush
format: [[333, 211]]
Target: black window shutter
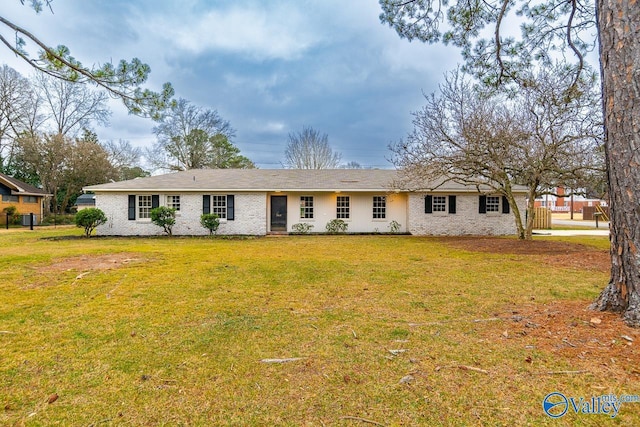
[[155, 201], [428, 204], [482, 207], [231, 209], [132, 207], [505, 205], [452, 204], [206, 204]]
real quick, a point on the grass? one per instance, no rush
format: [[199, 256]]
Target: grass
[[176, 334]]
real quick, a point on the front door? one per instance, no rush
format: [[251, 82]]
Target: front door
[[278, 213]]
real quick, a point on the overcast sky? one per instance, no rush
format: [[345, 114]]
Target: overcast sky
[[269, 67]]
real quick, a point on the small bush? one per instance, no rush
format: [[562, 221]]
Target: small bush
[[336, 226], [164, 217], [14, 216], [302, 228], [211, 222], [90, 218], [394, 226]]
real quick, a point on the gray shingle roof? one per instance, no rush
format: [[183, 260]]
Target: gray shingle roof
[[221, 180], [22, 188]]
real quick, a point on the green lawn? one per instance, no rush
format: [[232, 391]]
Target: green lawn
[[174, 333]]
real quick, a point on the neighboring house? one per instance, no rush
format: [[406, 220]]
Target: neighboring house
[[260, 202], [563, 201], [85, 201], [26, 198]]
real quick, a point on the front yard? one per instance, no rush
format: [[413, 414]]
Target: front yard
[[364, 330]]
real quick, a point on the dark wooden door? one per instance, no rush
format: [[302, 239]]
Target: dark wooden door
[[278, 213]]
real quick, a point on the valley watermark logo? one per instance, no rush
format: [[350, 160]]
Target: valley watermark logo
[[557, 404]]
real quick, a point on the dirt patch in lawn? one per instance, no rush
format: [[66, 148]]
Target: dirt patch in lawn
[[83, 265], [91, 262], [555, 253], [588, 340]]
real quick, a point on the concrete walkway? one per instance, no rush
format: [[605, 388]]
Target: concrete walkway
[[582, 228]]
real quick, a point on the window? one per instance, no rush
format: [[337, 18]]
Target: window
[[306, 207], [342, 207], [219, 206], [29, 199], [379, 207], [9, 198], [493, 204], [144, 207], [439, 204], [173, 202]]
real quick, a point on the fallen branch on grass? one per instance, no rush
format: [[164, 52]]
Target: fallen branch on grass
[[364, 420], [464, 368], [444, 322], [567, 372], [288, 359]]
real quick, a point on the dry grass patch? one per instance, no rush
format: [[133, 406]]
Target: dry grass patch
[[396, 330]]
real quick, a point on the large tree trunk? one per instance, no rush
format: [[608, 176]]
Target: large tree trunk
[[619, 32]]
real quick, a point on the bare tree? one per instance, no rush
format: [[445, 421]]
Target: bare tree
[[310, 149], [17, 105], [125, 158], [565, 26], [538, 137], [71, 106]]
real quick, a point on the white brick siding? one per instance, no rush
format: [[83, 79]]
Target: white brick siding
[[250, 216], [360, 216], [466, 220]]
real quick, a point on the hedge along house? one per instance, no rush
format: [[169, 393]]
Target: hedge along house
[[260, 202], [26, 198]]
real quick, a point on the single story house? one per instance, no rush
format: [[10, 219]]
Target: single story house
[[26, 198], [262, 201]]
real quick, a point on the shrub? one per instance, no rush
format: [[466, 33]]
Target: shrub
[[302, 228], [394, 226], [164, 217], [90, 218], [14, 216], [211, 222], [336, 226]]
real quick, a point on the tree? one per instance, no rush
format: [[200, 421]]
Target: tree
[[211, 222], [619, 35], [88, 164], [199, 150], [70, 106], [351, 165], [551, 25], [89, 219], [17, 102], [45, 157], [310, 150], [190, 137], [123, 81], [496, 141], [63, 165], [125, 159], [164, 217]]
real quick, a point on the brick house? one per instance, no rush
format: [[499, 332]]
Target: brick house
[[26, 198], [262, 201]]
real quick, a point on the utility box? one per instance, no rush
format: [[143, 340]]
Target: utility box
[[26, 220]]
